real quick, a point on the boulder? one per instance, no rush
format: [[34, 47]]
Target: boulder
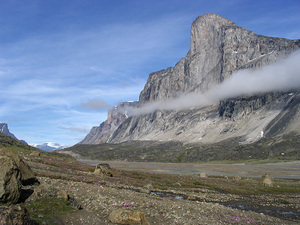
[[237, 177], [35, 153], [149, 186], [267, 180], [27, 176], [103, 169], [203, 175], [126, 216], [15, 215], [62, 194], [10, 183]]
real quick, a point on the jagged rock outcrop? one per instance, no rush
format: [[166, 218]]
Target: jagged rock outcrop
[[218, 48], [4, 129], [116, 116]]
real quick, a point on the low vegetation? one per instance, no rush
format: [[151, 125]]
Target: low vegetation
[[282, 196], [276, 149]]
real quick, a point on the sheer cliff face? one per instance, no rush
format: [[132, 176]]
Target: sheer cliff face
[[218, 48]]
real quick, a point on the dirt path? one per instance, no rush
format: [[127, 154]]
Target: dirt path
[[283, 170]]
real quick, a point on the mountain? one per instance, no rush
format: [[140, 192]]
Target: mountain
[[4, 129], [116, 116], [49, 146], [219, 48]]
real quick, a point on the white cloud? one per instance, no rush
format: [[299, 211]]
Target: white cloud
[[283, 75]]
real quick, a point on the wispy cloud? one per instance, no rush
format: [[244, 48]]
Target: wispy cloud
[[283, 75], [76, 129], [95, 104]]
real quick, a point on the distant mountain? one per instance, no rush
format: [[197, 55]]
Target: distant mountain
[[49, 146], [4, 129]]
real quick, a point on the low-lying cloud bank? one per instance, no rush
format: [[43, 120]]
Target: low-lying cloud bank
[[284, 75]]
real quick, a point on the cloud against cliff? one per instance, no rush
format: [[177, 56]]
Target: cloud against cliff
[[284, 75]]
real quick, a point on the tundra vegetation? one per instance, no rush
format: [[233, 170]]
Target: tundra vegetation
[[164, 198]]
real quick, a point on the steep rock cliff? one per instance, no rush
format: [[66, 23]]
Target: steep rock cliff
[[218, 48]]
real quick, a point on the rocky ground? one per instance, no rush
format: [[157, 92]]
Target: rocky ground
[[70, 193], [98, 201]]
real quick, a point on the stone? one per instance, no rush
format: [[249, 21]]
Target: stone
[[149, 186], [103, 169], [267, 180], [35, 153], [10, 183], [126, 216], [15, 215], [62, 194], [237, 177], [27, 175], [203, 175]]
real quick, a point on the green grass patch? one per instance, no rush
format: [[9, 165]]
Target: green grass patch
[[43, 210]]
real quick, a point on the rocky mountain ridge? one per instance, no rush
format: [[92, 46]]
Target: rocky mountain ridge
[[4, 129], [116, 116], [218, 48]]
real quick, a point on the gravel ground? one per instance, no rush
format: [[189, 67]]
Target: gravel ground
[[98, 201]]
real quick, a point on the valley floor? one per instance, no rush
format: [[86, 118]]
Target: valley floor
[[163, 198], [282, 170]]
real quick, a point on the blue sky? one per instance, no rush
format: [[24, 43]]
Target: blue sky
[[63, 63]]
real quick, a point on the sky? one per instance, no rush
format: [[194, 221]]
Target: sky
[[64, 63]]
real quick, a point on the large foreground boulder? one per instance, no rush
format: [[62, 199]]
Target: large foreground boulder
[[27, 176], [10, 183], [126, 216]]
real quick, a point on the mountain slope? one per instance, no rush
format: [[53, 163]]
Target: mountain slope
[[218, 49], [4, 129]]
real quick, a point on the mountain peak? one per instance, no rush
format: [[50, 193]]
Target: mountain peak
[[207, 31], [213, 19], [4, 129]]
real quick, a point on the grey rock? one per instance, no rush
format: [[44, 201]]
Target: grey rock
[[267, 180], [26, 174], [103, 169], [10, 183], [4, 129], [126, 216]]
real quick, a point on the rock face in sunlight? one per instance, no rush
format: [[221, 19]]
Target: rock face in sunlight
[[4, 129], [218, 49]]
